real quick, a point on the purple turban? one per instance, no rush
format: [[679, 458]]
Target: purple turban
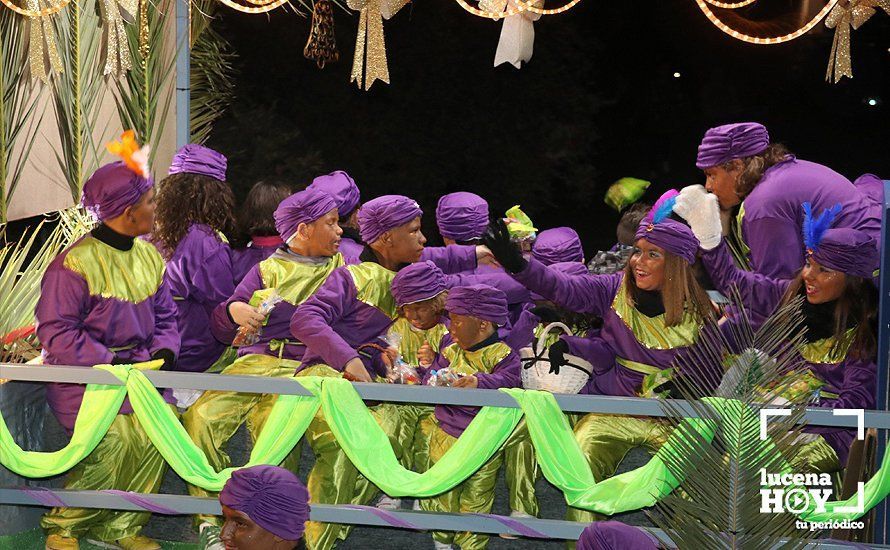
[[111, 189], [272, 497], [302, 207], [569, 268], [671, 235], [480, 301], [462, 216], [379, 215], [340, 186], [614, 535], [197, 159], [849, 251], [731, 141], [417, 282], [560, 244]]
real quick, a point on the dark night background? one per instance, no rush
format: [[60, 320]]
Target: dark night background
[[597, 102]]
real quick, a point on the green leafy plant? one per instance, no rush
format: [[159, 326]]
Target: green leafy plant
[[212, 71], [18, 106]]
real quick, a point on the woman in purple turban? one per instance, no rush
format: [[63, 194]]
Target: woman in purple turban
[[105, 300], [265, 508], [840, 313], [195, 212], [560, 244], [307, 222], [651, 312], [258, 239], [342, 188], [763, 186]]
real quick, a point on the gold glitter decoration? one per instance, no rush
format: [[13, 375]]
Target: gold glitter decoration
[[35, 12], [143, 31], [844, 18], [42, 34], [117, 54], [370, 50]]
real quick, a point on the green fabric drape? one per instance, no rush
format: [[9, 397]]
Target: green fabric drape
[[368, 447]]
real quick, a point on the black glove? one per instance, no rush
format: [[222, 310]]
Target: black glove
[[118, 361], [497, 239], [557, 353], [167, 356], [546, 314]]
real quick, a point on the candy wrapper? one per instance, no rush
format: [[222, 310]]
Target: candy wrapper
[[443, 377], [794, 387], [247, 336], [403, 373]]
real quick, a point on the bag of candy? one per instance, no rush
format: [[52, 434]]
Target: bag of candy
[[443, 377], [247, 336]]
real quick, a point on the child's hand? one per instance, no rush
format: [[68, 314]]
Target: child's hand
[[389, 357], [426, 355], [356, 370], [468, 381]]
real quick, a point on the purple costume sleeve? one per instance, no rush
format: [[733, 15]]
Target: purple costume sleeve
[[857, 389], [60, 312], [312, 321], [351, 250], [522, 333], [760, 294], [589, 294], [220, 323], [166, 333], [451, 259], [776, 246], [505, 374]]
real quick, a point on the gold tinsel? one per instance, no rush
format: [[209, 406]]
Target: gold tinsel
[[369, 61], [845, 17], [321, 46], [41, 34]]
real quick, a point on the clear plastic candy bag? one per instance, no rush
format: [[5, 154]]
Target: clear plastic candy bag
[[443, 377], [400, 372], [248, 336]]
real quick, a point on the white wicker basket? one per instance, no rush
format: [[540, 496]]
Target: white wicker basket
[[536, 373]]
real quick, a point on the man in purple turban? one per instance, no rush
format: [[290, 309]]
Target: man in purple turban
[[265, 508], [307, 222], [191, 235], [342, 188], [475, 352], [762, 187], [353, 308], [462, 218], [614, 535], [560, 244], [104, 300]]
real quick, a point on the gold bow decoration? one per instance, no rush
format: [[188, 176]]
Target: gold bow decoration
[[117, 57], [370, 50], [844, 17], [41, 34]]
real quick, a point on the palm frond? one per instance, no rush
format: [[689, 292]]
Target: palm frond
[[78, 91], [142, 95], [717, 504], [18, 106], [213, 72]]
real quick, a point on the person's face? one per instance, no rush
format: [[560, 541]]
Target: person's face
[[422, 315], [822, 284], [239, 532], [647, 265], [721, 181], [406, 242], [323, 235], [468, 331], [140, 218]]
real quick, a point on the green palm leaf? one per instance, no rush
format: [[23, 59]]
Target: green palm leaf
[[212, 72]]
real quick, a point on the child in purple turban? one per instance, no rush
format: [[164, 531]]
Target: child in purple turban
[[560, 244], [840, 311], [195, 212], [651, 312], [265, 508], [482, 361], [462, 218], [258, 239], [345, 192], [105, 300], [307, 222], [764, 186]]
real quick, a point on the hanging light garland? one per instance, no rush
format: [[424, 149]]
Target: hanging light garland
[[36, 13], [521, 6], [703, 5], [732, 6], [260, 7]]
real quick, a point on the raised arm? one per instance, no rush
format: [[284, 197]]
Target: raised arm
[[451, 259], [758, 292]]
